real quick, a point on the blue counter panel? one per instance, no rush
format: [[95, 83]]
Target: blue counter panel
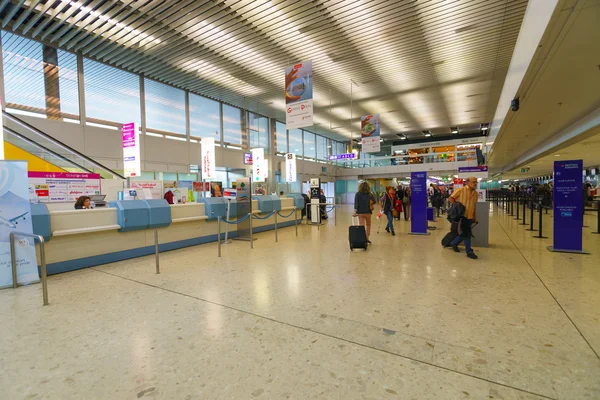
[[160, 213], [298, 200], [132, 215], [214, 207], [40, 217]]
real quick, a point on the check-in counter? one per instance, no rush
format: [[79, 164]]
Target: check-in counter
[[84, 238]]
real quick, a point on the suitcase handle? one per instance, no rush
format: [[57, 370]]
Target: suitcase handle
[[355, 221]]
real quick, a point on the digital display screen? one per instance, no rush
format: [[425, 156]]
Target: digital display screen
[[248, 158]]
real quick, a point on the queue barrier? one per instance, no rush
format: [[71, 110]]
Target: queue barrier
[[43, 272], [251, 216]]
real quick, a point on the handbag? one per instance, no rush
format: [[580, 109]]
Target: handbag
[[371, 202]]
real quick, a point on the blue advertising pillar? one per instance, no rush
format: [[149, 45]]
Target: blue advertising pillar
[[568, 207], [418, 208]]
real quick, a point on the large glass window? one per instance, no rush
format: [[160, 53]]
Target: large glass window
[[165, 107], [309, 145], [321, 148], [232, 125], [281, 137], [111, 94], [258, 131], [23, 73], [205, 118], [295, 136]]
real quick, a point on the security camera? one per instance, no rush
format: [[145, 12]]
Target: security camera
[[514, 105]]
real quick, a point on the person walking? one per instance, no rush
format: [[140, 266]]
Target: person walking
[[364, 204], [387, 205], [399, 201], [467, 196], [406, 203]]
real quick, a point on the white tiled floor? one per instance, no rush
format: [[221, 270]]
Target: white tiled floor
[[306, 318]]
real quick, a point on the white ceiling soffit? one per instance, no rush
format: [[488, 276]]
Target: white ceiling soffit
[[423, 65], [559, 93]]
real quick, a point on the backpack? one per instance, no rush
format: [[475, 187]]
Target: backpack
[[456, 212], [398, 205]]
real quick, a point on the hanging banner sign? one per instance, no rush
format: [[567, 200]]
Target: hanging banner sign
[[15, 216], [370, 133], [208, 158], [418, 208], [290, 167], [259, 172], [568, 206], [346, 156], [299, 95], [131, 150]]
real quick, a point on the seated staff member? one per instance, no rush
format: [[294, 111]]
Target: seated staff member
[[83, 202]]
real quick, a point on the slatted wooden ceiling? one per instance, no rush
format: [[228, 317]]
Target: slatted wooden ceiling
[[424, 65]]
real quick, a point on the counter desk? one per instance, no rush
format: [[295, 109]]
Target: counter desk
[[78, 239]]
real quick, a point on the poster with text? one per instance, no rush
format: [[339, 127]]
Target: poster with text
[[15, 216], [370, 133], [418, 208], [208, 158], [568, 205], [131, 150], [299, 95]]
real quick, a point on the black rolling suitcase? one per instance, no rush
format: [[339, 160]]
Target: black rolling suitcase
[[450, 236], [357, 235]]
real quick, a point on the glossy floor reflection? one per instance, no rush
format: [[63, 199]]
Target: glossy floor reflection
[[306, 318]]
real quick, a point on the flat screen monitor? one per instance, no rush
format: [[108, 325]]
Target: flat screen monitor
[[248, 158]]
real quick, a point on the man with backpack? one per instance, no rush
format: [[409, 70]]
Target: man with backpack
[[467, 196]]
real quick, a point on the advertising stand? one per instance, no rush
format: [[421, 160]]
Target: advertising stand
[[568, 207], [15, 216], [229, 194], [315, 199], [418, 209]]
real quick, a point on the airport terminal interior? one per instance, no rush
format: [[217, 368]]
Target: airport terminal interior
[[275, 199]]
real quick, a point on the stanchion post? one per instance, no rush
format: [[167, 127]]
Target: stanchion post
[[296, 221], [540, 235], [334, 214], [517, 206], [251, 236], [524, 210], [512, 205], [531, 218], [156, 251], [219, 234], [276, 238], [598, 222], [13, 260], [44, 272]]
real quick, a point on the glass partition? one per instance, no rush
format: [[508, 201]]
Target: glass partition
[[232, 125], [281, 137], [165, 107]]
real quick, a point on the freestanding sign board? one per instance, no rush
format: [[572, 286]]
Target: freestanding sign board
[[418, 207], [131, 150], [15, 216], [568, 206]]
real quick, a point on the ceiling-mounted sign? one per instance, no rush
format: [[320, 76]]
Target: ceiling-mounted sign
[[259, 172], [208, 158], [290, 167], [131, 150], [299, 95], [370, 133], [346, 156]]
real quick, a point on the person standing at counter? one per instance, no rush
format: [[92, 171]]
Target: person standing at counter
[[82, 203]]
